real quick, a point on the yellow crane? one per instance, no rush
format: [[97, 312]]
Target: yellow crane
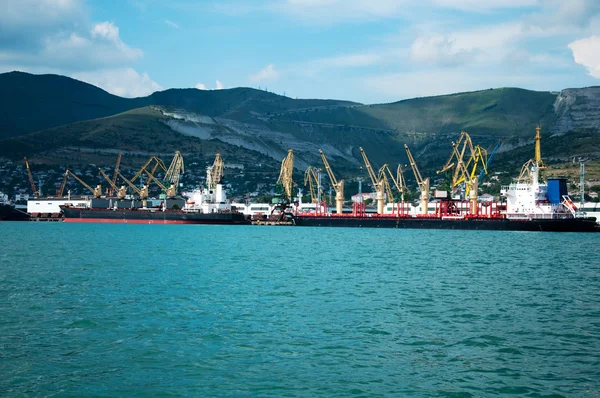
[[173, 173], [471, 180], [378, 185], [285, 174], [421, 182], [170, 192], [144, 169], [142, 193], [398, 180], [536, 164], [34, 190], [478, 156], [215, 172], [61, 190], [338, 186], [311, 177], [114, 179], [383, 180], [97, 192], [457, 156], [121, 192]]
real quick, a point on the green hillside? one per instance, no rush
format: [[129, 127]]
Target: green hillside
[[35, 102]]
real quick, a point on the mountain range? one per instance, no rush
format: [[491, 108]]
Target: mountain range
[[56, 119]]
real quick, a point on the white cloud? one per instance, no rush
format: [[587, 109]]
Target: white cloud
[[202, 86], [586, 52], [171, 23], [124, 82], [268, 73]]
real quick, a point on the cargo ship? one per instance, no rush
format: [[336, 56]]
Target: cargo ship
[[151, 216], [10, 212], [527, 205], [203, 206]]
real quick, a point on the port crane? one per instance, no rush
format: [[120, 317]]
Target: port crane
[[378, 184], [471, 180], [536, 164], [61, 190], [421, 182], [173, 173], [285, 174], [111, 192], [457, 156], [170, 191], [398, 180], [144, 169], [311, 178], [215, 172], [121, 192], [338, 186], [142, 193], [34, 190], [479, 156], [97, 192]]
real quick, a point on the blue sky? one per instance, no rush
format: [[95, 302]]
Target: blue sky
[[369, 51]]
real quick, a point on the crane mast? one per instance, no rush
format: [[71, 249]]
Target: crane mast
[[470, 179], [422, 183], [285, 174], [34, 190], [530, 170], [311, 179], [121, 192], [61, 190], [114, 179], [214, 174], [173, 174], [97, 192], [378, 184], [338, 186], [398, 181]]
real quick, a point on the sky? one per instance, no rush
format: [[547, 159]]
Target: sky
[[368, 51]]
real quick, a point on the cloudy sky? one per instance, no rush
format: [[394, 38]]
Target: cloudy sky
[[368, 51]]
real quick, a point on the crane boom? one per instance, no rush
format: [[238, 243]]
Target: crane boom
[[97, 192], [285, 174], [170, 192], [114, 179], [142, 193], [158, 163], [173, 174], [121, 192], [338, 186], [311, 178], [215, 172], [61, 190], [34, 190], [422, 183], [398, 181], [489, 160], [378, 183]]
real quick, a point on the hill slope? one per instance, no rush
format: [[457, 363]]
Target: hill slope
[[250, 124]]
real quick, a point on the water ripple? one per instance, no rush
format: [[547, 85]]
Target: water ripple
[[111, 310]]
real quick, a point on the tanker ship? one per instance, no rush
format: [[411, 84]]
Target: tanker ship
[[527, 205]]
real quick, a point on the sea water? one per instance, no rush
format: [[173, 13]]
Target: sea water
[[198, 311]]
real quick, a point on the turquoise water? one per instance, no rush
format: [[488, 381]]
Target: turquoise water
[[136, 310]]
